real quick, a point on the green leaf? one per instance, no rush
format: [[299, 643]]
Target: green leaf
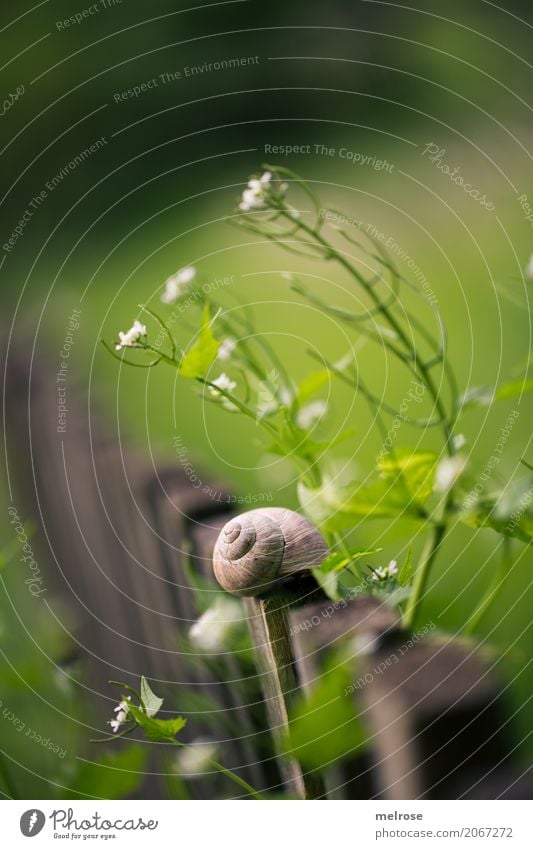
[[202, 353], [151, 702], [513, 389], [325, 727], [405, 574], [157, 729], [338, 560], [314, 381], [334, 506], [378, 500], [414, 471]]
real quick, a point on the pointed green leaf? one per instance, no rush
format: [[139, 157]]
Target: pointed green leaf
[[314, 381], [338, 560], [157, 729], [323, 721], [405, 574], [415, 472], [201, 355], [151, 702], [378, 500], [513, 389]]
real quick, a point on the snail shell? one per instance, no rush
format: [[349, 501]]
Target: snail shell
[[258, 548]]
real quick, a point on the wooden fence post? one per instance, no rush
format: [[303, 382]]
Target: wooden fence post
[[265, 555]]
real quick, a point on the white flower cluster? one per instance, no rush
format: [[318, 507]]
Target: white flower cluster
[[459, 441], [310, 414], [227, 385], [178, 284], [121, 710], [211, 632], [195, 759], [256, 193], [448, 472], [226, 349], [131, 338], [383, 573]]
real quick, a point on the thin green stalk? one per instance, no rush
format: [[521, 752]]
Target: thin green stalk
[[422, 573], [224, 771], [276, 436], [175, 784], [492, 590], [394, 324], [440, 528]]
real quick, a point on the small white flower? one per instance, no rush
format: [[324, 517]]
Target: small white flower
[[310, 414], [226, 349], [529, 268], [121, 711], [178, 284], [459, 441], [194, 760], [223, 382], [254, 196], [227, 385], [131, 338], [383, 573], [211, 631], [448, 472]]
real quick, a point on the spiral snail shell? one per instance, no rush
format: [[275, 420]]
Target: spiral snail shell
[[261, 547]]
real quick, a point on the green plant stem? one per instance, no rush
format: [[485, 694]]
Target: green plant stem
[[420, 366], [492, 591], [224, 771], [432, 547], [273, 433], [422, 573]]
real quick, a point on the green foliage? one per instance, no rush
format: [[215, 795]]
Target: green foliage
[[514, 389], [157, 730], [151, 702], [322, 723], [414, 472], [339, 560], [312, 384], [405, 575], [417, 485], [199, 358], [115, 775], [141, 716]]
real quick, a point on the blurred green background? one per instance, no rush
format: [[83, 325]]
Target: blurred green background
[[376, 78]]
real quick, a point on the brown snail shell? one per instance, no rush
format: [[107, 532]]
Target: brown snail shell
[[259, 548]]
